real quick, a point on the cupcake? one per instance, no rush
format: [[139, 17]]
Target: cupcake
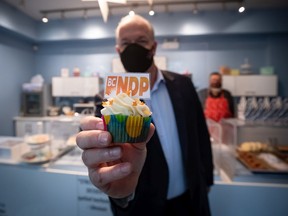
[[127, 119]]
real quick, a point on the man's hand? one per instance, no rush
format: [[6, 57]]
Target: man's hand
[[113, 168]]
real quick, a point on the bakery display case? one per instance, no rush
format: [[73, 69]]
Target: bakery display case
[[215, 132], [239, 131], [257, 147]]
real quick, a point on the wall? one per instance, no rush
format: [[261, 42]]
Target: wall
[[207, 41], [198, 55], [17, 66]]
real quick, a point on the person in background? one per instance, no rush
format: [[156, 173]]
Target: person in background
[[217, 102], [172, 171]]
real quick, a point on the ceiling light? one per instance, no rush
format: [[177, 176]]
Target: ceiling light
[[104, 8], [151, 11], [131, 13], [45, 19], [241, 9]]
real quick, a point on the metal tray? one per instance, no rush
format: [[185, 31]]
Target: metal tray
[[257, 165]]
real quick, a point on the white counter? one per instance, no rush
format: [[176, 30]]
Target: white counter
[[62, 187]]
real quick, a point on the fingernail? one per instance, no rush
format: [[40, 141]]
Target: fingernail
[[103, 138]]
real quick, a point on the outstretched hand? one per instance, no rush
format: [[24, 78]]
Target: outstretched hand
[[114, 168]]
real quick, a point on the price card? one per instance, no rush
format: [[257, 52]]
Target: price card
[[91, 201], [137, 84]]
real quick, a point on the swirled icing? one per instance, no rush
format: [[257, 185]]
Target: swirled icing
[[125, 105]]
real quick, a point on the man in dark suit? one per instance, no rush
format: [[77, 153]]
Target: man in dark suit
[[170, 173]]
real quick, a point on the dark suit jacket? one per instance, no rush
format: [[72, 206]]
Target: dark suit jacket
[[152, 187]]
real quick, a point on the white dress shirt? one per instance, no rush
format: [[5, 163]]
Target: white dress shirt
[[165, 123]]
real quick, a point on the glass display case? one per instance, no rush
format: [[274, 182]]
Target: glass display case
[[223, 156], [215, 131], [239, 131], [254, 148]]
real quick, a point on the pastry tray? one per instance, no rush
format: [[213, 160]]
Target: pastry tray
[[32, 158], [257, 165]]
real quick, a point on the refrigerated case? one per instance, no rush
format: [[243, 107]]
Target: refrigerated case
[[254, 148], [238, 190], [35, 103], [238, 131]]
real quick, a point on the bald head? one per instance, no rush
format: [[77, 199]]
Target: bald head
[[134, 22]]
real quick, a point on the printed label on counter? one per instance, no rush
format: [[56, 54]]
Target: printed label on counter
[[91, 201]]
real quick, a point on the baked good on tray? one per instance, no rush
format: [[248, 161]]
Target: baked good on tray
[[254, 147], [262, 157]]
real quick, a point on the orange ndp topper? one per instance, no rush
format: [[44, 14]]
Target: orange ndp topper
[[138, 84]]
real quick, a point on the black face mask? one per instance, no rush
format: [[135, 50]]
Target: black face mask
[[136, 58]]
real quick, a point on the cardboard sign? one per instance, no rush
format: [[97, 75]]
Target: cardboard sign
[[137, 84]]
